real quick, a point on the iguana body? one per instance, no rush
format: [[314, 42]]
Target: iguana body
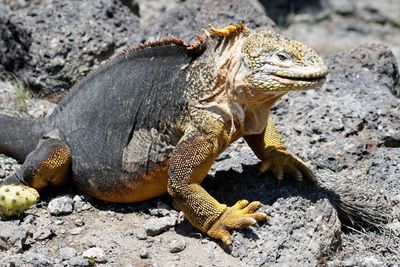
[[154, 118]]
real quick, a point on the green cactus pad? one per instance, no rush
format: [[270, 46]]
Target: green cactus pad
[[16, 199]]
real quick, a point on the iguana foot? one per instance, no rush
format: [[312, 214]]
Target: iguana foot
[[15, 199], [239, 216], [280, 162]]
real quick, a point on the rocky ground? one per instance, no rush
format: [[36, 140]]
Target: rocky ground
[[349, 130]]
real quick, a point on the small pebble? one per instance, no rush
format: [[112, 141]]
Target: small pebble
[[144, 253], [78, 261], [79, 222], [141, 235], [75, 231], [177, 245], [155, 226], [95, 253], [58, 222], [67, 253], [61, 206]]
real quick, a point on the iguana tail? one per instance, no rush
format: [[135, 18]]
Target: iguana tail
[[19, 136]]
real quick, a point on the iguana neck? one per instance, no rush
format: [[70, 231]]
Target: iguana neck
[[231, 95]]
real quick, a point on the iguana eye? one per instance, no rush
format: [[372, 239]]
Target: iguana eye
[[282, 56]]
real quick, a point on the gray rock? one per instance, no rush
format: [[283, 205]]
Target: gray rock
[[37, 259], [95, 253], [61, 47], [155, 226], [2, 173], [163, 210], [61, 206], [281, 11], [18, 4], [3, 245], [141, 235], [150, 10], [14, 45], [144, 253], [177, 245], [79, 261], [383, 12], [4, 10], [12, 236], [344, 7], [67, 253], [79, 222], [43, 233], [191, 16]]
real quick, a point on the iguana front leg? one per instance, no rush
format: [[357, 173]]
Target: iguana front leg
[[189, 164], [269, 148]]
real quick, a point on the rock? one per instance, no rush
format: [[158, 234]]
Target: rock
[[155, 226], [61, 206], [95, 253], [14, 45], [141, 235], [163, 210], [12, 237], [18, 4], [372, 68], [2, 174], [4, 10], [75, 231], [37, 259], [43, 233], [303, 224], [383, 12], [56, 49], [191, 16], [67, 253], [177, 245], [280, 11], [79, 222], [144, 253], [150, 10], [343, 7], [79, 261]]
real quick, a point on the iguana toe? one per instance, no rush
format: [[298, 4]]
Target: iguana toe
[[239, 216], [281, 162], [15, 199]]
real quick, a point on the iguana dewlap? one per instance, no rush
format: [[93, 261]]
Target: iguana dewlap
[[154, 118]]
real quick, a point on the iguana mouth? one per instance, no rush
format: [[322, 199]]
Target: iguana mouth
[[307, 77], [301, 79]]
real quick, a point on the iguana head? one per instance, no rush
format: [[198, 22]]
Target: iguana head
[[252, 70], [277, 64]]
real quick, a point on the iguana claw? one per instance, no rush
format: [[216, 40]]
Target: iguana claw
[[239, 216], [280, 162]]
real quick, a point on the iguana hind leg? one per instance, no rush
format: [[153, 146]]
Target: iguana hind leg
[[48, 164]]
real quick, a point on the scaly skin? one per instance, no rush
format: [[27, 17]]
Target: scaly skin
[[253, 70], [217, 91]]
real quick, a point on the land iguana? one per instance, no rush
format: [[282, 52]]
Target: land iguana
[[153, 119]]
